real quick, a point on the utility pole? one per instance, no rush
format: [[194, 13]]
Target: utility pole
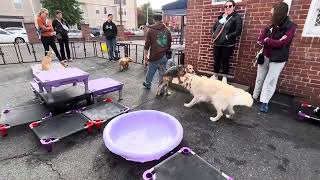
[[147, 23], [120, 11]]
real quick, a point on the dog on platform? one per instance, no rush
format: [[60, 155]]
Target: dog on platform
[[221, 95], [47, 61], [124, 63], [173, 72]]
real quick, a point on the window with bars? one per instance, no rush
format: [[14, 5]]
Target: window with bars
[[312, 25], [123, 2], [317, 23]]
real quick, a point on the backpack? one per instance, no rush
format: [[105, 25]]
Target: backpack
[[162, 38]]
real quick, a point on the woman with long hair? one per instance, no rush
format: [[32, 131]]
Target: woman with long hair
[[275, 40], [47, 33], [224, 33]]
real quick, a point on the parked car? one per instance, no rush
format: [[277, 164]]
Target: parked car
[[16, 30], [8, 37], [96, 31], [75, 33], [129, 33]]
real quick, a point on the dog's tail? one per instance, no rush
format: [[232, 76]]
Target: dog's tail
[[243, 98]]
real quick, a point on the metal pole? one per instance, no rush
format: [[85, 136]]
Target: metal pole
[[120, 12], [147, 23]]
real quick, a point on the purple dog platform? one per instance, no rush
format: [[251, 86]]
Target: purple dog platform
[[46, 80], [22, 115], [55, 128], [184, 165], [102, 86]]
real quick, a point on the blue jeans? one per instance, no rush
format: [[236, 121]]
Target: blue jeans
[[153, 67], [112, 47]]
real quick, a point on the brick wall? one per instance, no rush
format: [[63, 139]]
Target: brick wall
[[31, 32], [301, 76]]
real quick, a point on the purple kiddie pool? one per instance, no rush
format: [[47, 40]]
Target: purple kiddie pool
[[143, 136]]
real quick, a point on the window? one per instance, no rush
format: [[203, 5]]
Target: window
[[105, 11], [97, 11], [312, 25], [223, 1], [17, 4], [2, 32], [123, 2]]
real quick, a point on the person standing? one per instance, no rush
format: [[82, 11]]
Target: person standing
[[47, 33], [224, 33], [158, 40], [110, 32], [276, 40], [61, 27]]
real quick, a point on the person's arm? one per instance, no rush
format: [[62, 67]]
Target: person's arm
[[147, 45], [262, 36], [104, 28], [169, 40], [55, 27], [116, 29], [285, 40], [238, 29], [42, 26]]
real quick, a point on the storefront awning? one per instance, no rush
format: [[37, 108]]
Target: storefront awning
[[177, 8]]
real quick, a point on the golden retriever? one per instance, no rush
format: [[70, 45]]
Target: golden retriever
[[221, 95]]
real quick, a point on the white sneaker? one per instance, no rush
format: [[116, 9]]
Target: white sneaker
[[214, 77], [224, 79]]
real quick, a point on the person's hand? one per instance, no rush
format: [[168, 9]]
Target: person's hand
[[259, 43], [266, 39], [283, 37]]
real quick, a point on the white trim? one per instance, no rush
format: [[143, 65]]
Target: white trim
[[309, 29], [223, 2]]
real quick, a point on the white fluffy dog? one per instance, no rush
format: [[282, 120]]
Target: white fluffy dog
[[221, 95]]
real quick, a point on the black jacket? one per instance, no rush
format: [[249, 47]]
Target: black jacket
[[281, 54], [231, 30], [58, 27], [110, 30]]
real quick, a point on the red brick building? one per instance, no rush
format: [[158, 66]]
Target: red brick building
[[301, 76]]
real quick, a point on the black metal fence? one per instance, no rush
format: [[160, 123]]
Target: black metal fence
[[33, 52]]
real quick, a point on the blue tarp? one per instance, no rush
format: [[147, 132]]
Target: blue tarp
[[177, 8]]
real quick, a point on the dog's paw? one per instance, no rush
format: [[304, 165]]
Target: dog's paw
[[213, 119], [187, 105], [229, 116]]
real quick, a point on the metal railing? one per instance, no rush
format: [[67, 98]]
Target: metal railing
[[34, 52]]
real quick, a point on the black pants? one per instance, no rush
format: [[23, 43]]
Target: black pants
[[64, 42], [222, 56], [49, 41]]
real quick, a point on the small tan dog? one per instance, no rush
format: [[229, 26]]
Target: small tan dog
[[221, 95], [124, 63], [46, 61]]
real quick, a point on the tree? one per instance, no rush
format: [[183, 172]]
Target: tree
[[147, 7], [70, 9]]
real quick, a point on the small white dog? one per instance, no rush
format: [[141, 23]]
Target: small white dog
[[221, 95]]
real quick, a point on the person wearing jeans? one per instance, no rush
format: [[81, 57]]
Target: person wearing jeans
[[276, 40], [110, 32], [47, 33], [158, 40], [62, 29]]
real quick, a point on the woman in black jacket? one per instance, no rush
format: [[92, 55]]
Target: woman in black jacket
[[224, 33], [62, 29]]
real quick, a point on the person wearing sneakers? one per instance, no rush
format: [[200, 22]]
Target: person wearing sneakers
[[61, 27], [158, 40], [224, 34], [47, 33], [276, 40], [110, 32]]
